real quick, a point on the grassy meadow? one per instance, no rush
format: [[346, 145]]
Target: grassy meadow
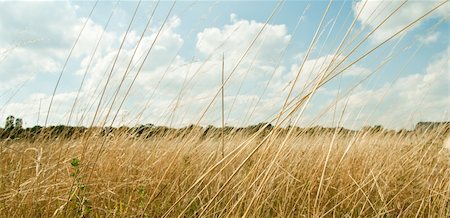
[[262, 174], [272, 169]]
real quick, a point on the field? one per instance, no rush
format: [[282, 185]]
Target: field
[[262, 174], [224, 108]]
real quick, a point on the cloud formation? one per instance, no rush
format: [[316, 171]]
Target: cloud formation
[[374, 13], [175, 87]]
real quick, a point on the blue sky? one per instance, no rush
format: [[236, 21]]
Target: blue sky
[[404, 81]]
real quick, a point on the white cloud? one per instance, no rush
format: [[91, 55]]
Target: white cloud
[[29, 110], [37, 42], [234, 39], [313, 70], [429, 38], [410, 99], [374, 12], [201, 76]]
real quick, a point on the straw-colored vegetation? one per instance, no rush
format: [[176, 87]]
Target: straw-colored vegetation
[[316, 173], [259, 171]]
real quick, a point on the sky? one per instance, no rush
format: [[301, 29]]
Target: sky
[[385, 74]]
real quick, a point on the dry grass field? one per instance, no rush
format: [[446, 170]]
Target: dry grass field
[[262, 174], [282, 167]]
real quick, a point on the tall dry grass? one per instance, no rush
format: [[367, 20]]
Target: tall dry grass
[[271, 173], [367, 174]]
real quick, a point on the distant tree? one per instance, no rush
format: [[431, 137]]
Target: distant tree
[[377, 128], [19, 123], [149, 125], [9, 124]]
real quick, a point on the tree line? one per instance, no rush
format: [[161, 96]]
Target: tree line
[[14, 130]]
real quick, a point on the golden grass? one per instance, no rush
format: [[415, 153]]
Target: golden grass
[[367, 174], [272, 173]]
